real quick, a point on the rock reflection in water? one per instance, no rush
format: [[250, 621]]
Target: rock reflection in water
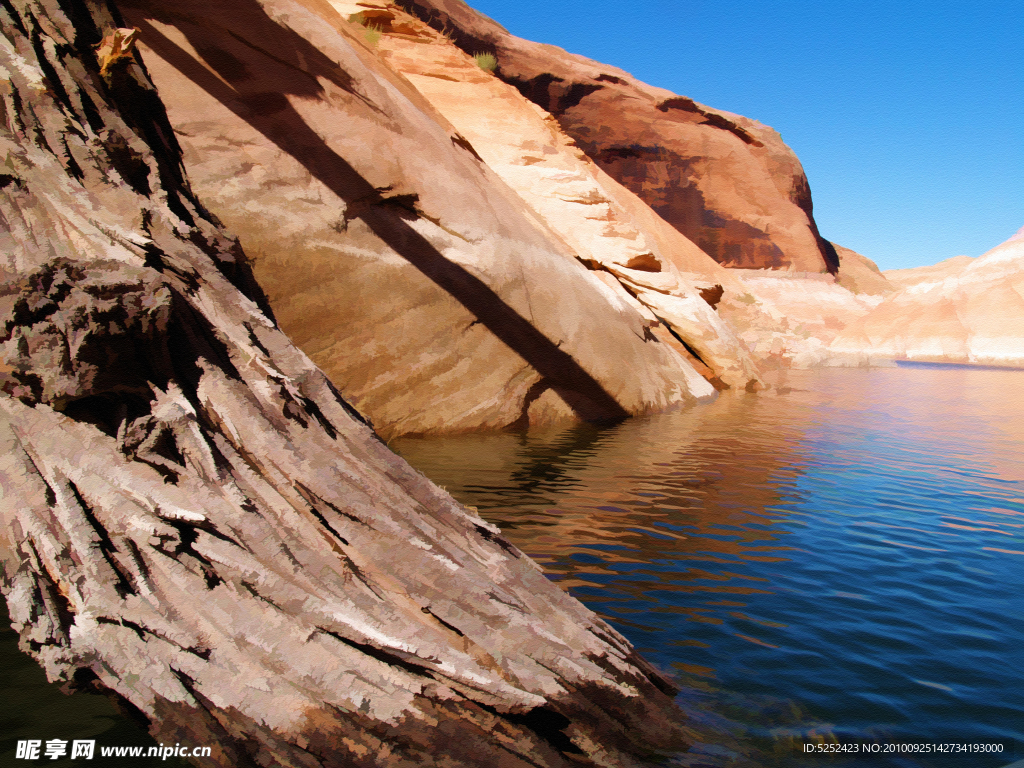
[[851, 545], [584, 502]]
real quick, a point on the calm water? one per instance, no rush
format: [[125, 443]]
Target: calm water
[[845, 558]]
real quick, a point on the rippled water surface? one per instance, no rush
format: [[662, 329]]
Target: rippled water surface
[[842, 558]]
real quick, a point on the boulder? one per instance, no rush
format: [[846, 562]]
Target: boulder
[[196, 521]]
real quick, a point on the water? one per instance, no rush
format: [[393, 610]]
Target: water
[[32, 708], [841, 559]]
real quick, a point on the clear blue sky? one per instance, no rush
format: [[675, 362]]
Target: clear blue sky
[[908, 116]]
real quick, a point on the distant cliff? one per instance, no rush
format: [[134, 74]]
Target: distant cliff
[[959, 311]]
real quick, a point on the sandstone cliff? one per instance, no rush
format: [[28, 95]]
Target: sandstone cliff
[[726, 182], [194, 519], [959, 311], [428, 290], [859, 274], [788, 320], [645, 262]]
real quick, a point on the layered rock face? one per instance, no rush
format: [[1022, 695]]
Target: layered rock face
[[194, 519], [789, 320], [726, 182], [424, 286], [959, 311]]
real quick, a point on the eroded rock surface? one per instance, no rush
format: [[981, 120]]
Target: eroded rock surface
[[961, 310], [412, 274], [728, 183], [194, 519]]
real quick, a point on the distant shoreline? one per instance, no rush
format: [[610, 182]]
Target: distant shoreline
[[976, 366]]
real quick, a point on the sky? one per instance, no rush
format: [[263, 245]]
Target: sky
[[908, 116]]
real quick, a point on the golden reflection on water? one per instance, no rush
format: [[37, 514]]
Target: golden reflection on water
[[719, 515], [712, 483], [635, 494]]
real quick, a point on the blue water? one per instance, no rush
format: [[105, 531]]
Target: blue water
[[839, 560]]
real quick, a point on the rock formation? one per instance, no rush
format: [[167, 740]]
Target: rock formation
[[424, 286], [646, 263], [726, 182], [194, 519], [788, 320], [860, 274], [959, 311]]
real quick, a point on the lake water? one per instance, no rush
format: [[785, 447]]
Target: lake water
[[840, 558]]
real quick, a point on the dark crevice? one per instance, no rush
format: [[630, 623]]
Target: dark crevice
[[349, 409], [713, 119], [124, 583], [546, 723], [442, 622], [129, 163], [461, 141], [73, 168], [709, 374], [187, 535], [260, 596], [319, 515], [386, 656], [498, 539], [142, 631], [313, 499]]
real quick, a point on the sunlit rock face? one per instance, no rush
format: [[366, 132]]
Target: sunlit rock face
[[961, 311], [859, 274], [640, 258], [728, 183], [789, 320], [410, 272], [195, 520]]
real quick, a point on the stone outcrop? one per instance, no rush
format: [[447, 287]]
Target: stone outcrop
[[860, 274], [961, 310], [194, 519], [728, 183], [424, 286]]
